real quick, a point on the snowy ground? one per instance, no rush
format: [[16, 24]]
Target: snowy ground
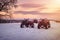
[[12, 31]]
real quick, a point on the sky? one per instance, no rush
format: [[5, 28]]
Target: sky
[[37, 9], [41, 6]]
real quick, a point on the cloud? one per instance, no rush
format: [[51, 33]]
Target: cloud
[[34, 1], [43, 6], [30, 5], [26, 12], [41, 15]]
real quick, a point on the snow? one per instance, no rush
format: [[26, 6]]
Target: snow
[[12, 31]]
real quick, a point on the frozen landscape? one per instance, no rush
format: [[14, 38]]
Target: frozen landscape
[[12, 31]]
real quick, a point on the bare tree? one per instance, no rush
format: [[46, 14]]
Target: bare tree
[[6, 5]]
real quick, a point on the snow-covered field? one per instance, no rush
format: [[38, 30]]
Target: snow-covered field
[[12, 31]]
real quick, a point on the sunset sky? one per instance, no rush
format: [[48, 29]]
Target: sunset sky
[[37, 9], [41, 6]]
